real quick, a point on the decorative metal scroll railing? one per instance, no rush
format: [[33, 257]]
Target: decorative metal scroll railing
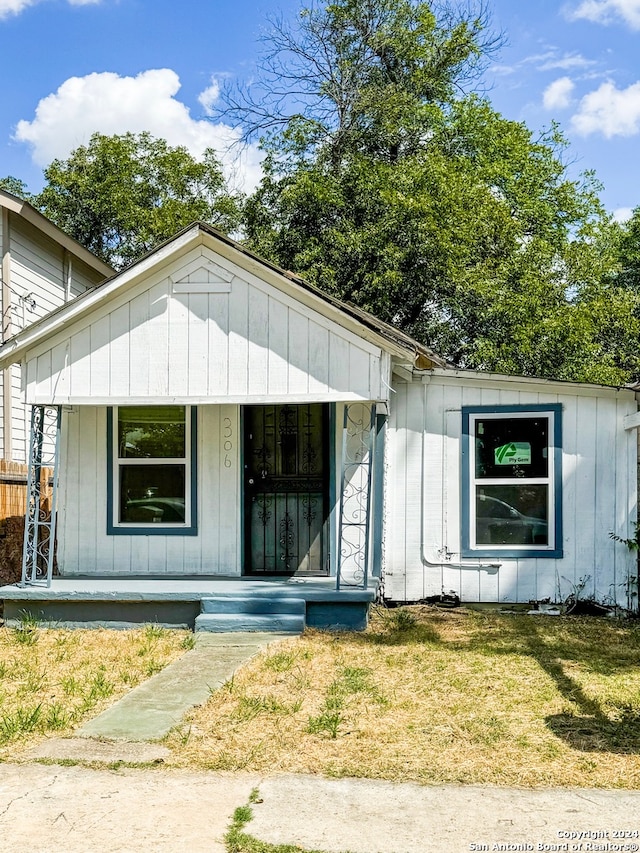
[[355, 495], [40, 520]]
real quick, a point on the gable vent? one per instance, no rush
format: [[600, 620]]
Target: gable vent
[[202, 276]]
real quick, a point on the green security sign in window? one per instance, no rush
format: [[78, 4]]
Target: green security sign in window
[[514, 453]]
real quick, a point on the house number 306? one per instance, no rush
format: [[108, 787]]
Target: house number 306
[[227, 434]]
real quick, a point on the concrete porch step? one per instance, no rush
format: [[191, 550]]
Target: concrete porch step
[[222, 613], [219, 623], [253, 605], [124, 602]]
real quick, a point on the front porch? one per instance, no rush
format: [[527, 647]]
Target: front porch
[[229, 603]]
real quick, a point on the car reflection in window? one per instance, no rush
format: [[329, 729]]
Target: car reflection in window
[[154, 509], [499, 523]]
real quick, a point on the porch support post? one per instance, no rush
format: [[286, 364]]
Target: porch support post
[[377, 496], [7, 390], [40, 519], [358, 442]]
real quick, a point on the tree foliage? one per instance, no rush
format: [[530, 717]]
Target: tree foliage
[[120, 196], [395, 189], [356, 74], [15, 186], [628, 252]]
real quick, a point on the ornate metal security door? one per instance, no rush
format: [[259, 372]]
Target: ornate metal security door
[[286, 489]]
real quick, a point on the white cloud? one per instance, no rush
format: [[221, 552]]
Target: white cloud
[[107, 103], [565, 62], [557, 95], [14, 7], [607, 11], [210, 95], [623, 214], [610, 111], [550, 60]]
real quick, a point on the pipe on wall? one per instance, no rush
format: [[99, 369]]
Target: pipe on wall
[[424, 559]]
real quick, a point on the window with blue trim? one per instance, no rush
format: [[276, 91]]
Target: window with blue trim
[[512, 481], [152, 470]]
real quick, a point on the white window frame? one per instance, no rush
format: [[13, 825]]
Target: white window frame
[[189, 524]]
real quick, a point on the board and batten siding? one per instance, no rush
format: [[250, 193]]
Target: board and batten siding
[[83, 544], [242, 340], [85, 548], [20, 417], [599, 494]]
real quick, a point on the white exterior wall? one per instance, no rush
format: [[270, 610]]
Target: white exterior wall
[[37, 272], [40, 271], [167, 338], [83, 544], [41, 275], [599, 493], [20, 416], [85, 548]]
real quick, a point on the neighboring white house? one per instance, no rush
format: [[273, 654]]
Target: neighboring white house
[[41, 269], [222, 419]]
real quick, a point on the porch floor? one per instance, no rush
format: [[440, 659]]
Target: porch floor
[[175, 602]]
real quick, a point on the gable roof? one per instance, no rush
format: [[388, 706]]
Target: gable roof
[[26, 211], [357, 320]]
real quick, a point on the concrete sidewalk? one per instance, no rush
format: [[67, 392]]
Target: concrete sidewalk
[[365, 816], [54, 809], [48, 809]]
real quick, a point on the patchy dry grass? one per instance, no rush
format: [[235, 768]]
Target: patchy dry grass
[[53, 679], [435, 696]]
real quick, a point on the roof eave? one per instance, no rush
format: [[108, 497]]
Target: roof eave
[[34, 217], [395, 342], [422, 356]]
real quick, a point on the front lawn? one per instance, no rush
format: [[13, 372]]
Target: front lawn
[[435, 696], [52, 680], [424, 695]]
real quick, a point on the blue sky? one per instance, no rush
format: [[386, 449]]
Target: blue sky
[[71, 67]]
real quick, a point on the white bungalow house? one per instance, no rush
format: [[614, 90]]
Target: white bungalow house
[[236, 442]]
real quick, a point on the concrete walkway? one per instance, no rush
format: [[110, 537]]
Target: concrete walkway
[[47, 807], [150, 710], [54, 809], [365, 816]]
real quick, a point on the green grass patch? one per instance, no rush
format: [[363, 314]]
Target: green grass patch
[[237, 840]]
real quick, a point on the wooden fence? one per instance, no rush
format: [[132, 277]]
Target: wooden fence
[[13, 489]]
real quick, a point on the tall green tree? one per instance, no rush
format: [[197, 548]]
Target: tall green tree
[[396, 189], [120, 196], [360, 75]]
